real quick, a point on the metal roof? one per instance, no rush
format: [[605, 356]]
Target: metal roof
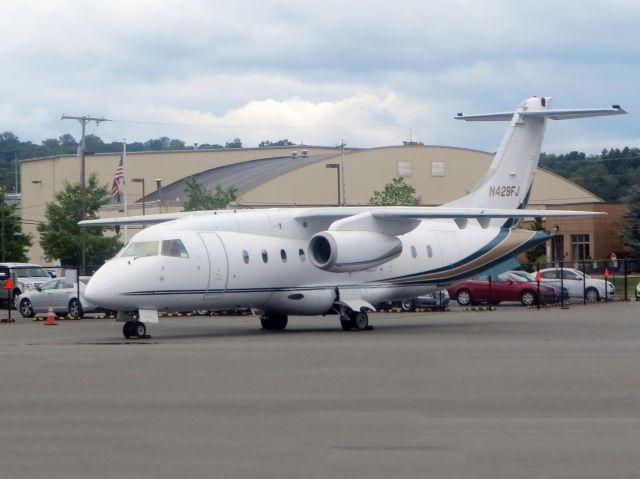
[[243, 176]]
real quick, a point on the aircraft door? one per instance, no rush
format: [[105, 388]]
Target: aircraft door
[[218, 265]]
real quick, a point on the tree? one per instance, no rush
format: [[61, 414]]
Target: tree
[[533, 254], [236, 143], [199, 198], [61, 237], [13, 243], [630, 231], [396, 193], [266, 143]]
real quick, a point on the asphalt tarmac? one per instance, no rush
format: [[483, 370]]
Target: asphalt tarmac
[[511, 393]]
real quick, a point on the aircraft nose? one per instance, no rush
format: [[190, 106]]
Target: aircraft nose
[[101, 289]]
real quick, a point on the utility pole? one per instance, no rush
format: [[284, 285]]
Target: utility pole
[[81, 153], [342, 185]]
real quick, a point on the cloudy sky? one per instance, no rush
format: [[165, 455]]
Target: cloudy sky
[[369, 72]]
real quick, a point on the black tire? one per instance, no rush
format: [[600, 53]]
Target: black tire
[[528, 298], [139, 329], [346, 325], [360, 320], [26, 308], [408, 305], [127, 329], [464, 297], [592, 294], [75, 309], [274, 322]]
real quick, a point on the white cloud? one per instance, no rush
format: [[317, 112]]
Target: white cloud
[[363, 71]]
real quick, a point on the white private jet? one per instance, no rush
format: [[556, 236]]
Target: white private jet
[[311, 261]]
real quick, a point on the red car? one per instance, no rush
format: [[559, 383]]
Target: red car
[[504, 287]]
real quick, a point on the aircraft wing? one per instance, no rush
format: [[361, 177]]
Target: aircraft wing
[[401, 220], [140, 220]]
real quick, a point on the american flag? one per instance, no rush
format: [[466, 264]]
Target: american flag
[[115, 186]]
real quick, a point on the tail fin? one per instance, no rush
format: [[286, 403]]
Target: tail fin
[[507, 183]]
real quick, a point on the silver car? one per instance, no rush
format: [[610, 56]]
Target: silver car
[[61, 294]]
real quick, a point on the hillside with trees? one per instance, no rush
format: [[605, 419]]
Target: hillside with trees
[[609, 175]]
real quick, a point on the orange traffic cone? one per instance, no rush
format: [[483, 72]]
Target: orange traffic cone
[[51, 318]]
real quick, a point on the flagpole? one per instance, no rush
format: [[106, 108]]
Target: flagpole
[[124, 185]]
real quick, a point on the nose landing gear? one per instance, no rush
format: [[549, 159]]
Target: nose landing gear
[[134, 329]]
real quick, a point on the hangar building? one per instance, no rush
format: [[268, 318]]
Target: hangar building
[[304, 176]]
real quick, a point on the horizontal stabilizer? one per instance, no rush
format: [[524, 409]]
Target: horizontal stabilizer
[[552, 114]]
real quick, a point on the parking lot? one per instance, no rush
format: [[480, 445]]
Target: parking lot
[[512, 392]]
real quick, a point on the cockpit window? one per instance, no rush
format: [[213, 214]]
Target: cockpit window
[[141, 248], [174, 248]]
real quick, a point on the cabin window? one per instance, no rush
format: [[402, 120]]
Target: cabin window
[[301, 254], [283, 255], [245, 256], [141, 248], [429, 251], [414, 252], [265, 256], [174, 248]]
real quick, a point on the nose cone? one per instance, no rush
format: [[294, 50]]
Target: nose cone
[[97, 290]]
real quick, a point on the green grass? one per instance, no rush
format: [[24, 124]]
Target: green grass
[[618, 282]]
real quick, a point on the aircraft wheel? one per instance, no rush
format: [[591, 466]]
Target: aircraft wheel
[[127, 329], [359, 320], [139, 329], [346, 324], [274, 322]]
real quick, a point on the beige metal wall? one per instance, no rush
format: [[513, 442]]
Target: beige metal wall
[[365, 171]]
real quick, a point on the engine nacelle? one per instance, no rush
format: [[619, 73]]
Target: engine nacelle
[[348, 251]]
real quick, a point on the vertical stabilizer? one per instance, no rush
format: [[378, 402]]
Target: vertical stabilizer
[[507, 183]]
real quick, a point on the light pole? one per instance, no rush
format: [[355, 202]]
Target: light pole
[[336, 166], [159, 188], [140, 180]]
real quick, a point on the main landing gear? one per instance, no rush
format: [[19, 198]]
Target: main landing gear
[[353, 320], [274, 321]]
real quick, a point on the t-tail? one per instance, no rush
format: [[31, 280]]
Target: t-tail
[[507, 183]]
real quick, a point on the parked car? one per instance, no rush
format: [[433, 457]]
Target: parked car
[[638, 292], [578, 283], [561, 292], [25, 276], [437, 300], [504, 287], [61, 294]]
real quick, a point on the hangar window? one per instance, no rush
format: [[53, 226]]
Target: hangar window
[[265, 256], [301, 254], [580, 246], [414, 252], [429, 251], [141, 248], [174, 248], [245, 256], [437, 168], [283, 255], [404, 168]]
